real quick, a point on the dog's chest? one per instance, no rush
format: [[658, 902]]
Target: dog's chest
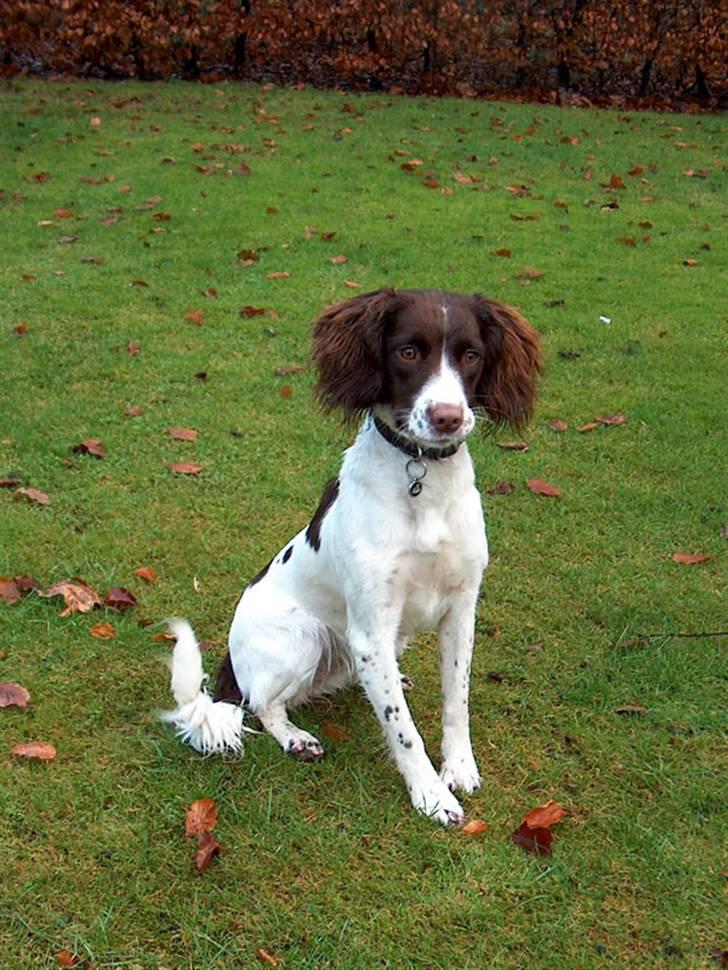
[[438, 561]]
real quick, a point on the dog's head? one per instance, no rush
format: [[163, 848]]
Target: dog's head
[[428, 359]]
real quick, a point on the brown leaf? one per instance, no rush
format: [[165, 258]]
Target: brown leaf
[[183, 434], [201, 816], [690, 558], [339, 260], [501, 488], [558, 425], [133, 411], [613, 419], [336, 732], [616, 182], [32, 495], [9, 592], [35, 749], [78, 596], [148, 573], [91, 446], [13, 695], [352, 285], [535, 841], [253, 311], [119, 599], [64, 958], [288, 369], [26, 584], [267, 957], [185, 468], [528, 273], [544, 816], [286, 391], [103, 631], [690, 262], [505, 253], [539, 487], [590, 426], [208, 847], [475, 826], [631, 709], [9, 482], [278, 276], [512, 445], [133, 348], [195, 316]]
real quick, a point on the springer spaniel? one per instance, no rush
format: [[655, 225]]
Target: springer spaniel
[[396, 546]]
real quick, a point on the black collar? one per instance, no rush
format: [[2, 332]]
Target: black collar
[[409, 447]]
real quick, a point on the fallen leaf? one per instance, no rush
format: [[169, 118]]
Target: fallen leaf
[[505, 253], [631, 709], [103, 631], [590, 426], [690, 262], [9, 592], [288, 369], [535, 841], [613, 419], [539, 487], [133, 411], [33, 495], [475, 826], [119, 599], [41, 750], [253, 311], [201, 816], [286, 391], [185, 468], [183, 434], [336, 732], [148, 573], [26, 584], [13, 695], [690, 558], [512, 445], [339, 260], [133, 348], [9, 482], [63, 214], [267, 957], [208, 847], [64, 958], [91, 446], [502, 488], [544, 816], [616, 182], [352, 285], [78, 596], [558, 425], [278, 276], [195, 316]]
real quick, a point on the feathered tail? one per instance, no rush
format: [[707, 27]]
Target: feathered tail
[[209, 726]]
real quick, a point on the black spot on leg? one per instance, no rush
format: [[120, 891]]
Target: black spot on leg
[[313, 532], [287, 554], [408, 744], [387, 712]]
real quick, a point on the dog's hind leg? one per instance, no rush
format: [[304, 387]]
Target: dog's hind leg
[[294, 741]]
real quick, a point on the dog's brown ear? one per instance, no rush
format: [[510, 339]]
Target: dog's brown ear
[[347, 349], [507, 389]]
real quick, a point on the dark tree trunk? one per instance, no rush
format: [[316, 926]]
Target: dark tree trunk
[[645, 76]]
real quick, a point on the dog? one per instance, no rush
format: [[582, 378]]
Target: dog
[[396, 546]]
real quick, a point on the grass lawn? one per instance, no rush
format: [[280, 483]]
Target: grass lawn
[[136, 221]]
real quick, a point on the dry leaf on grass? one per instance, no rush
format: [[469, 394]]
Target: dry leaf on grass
[[13, 695], [201, 816], [103, 631], [147, 573], [208, 848], [539, 487], [475, 826], [77, 595], [690, 558], [41, 750], [185, 468], [534, 833]]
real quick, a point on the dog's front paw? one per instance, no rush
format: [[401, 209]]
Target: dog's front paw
[[460, 773], [305, 747], [438, 803]]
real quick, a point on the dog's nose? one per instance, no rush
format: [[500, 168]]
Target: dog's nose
[[446, 418]]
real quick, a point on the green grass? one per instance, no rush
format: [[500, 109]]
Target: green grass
[[327, 866]]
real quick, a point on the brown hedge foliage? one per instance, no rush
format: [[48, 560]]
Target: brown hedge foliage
[[600, 48]]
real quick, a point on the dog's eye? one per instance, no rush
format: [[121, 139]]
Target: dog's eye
[[471, 356], [408, 353]]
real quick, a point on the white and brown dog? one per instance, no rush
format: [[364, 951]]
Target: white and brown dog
[[397, 545]]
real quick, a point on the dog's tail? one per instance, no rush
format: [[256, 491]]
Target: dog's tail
[[209, 726]]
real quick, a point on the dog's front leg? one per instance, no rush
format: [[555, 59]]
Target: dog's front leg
[[376, 663], [459, 770]]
